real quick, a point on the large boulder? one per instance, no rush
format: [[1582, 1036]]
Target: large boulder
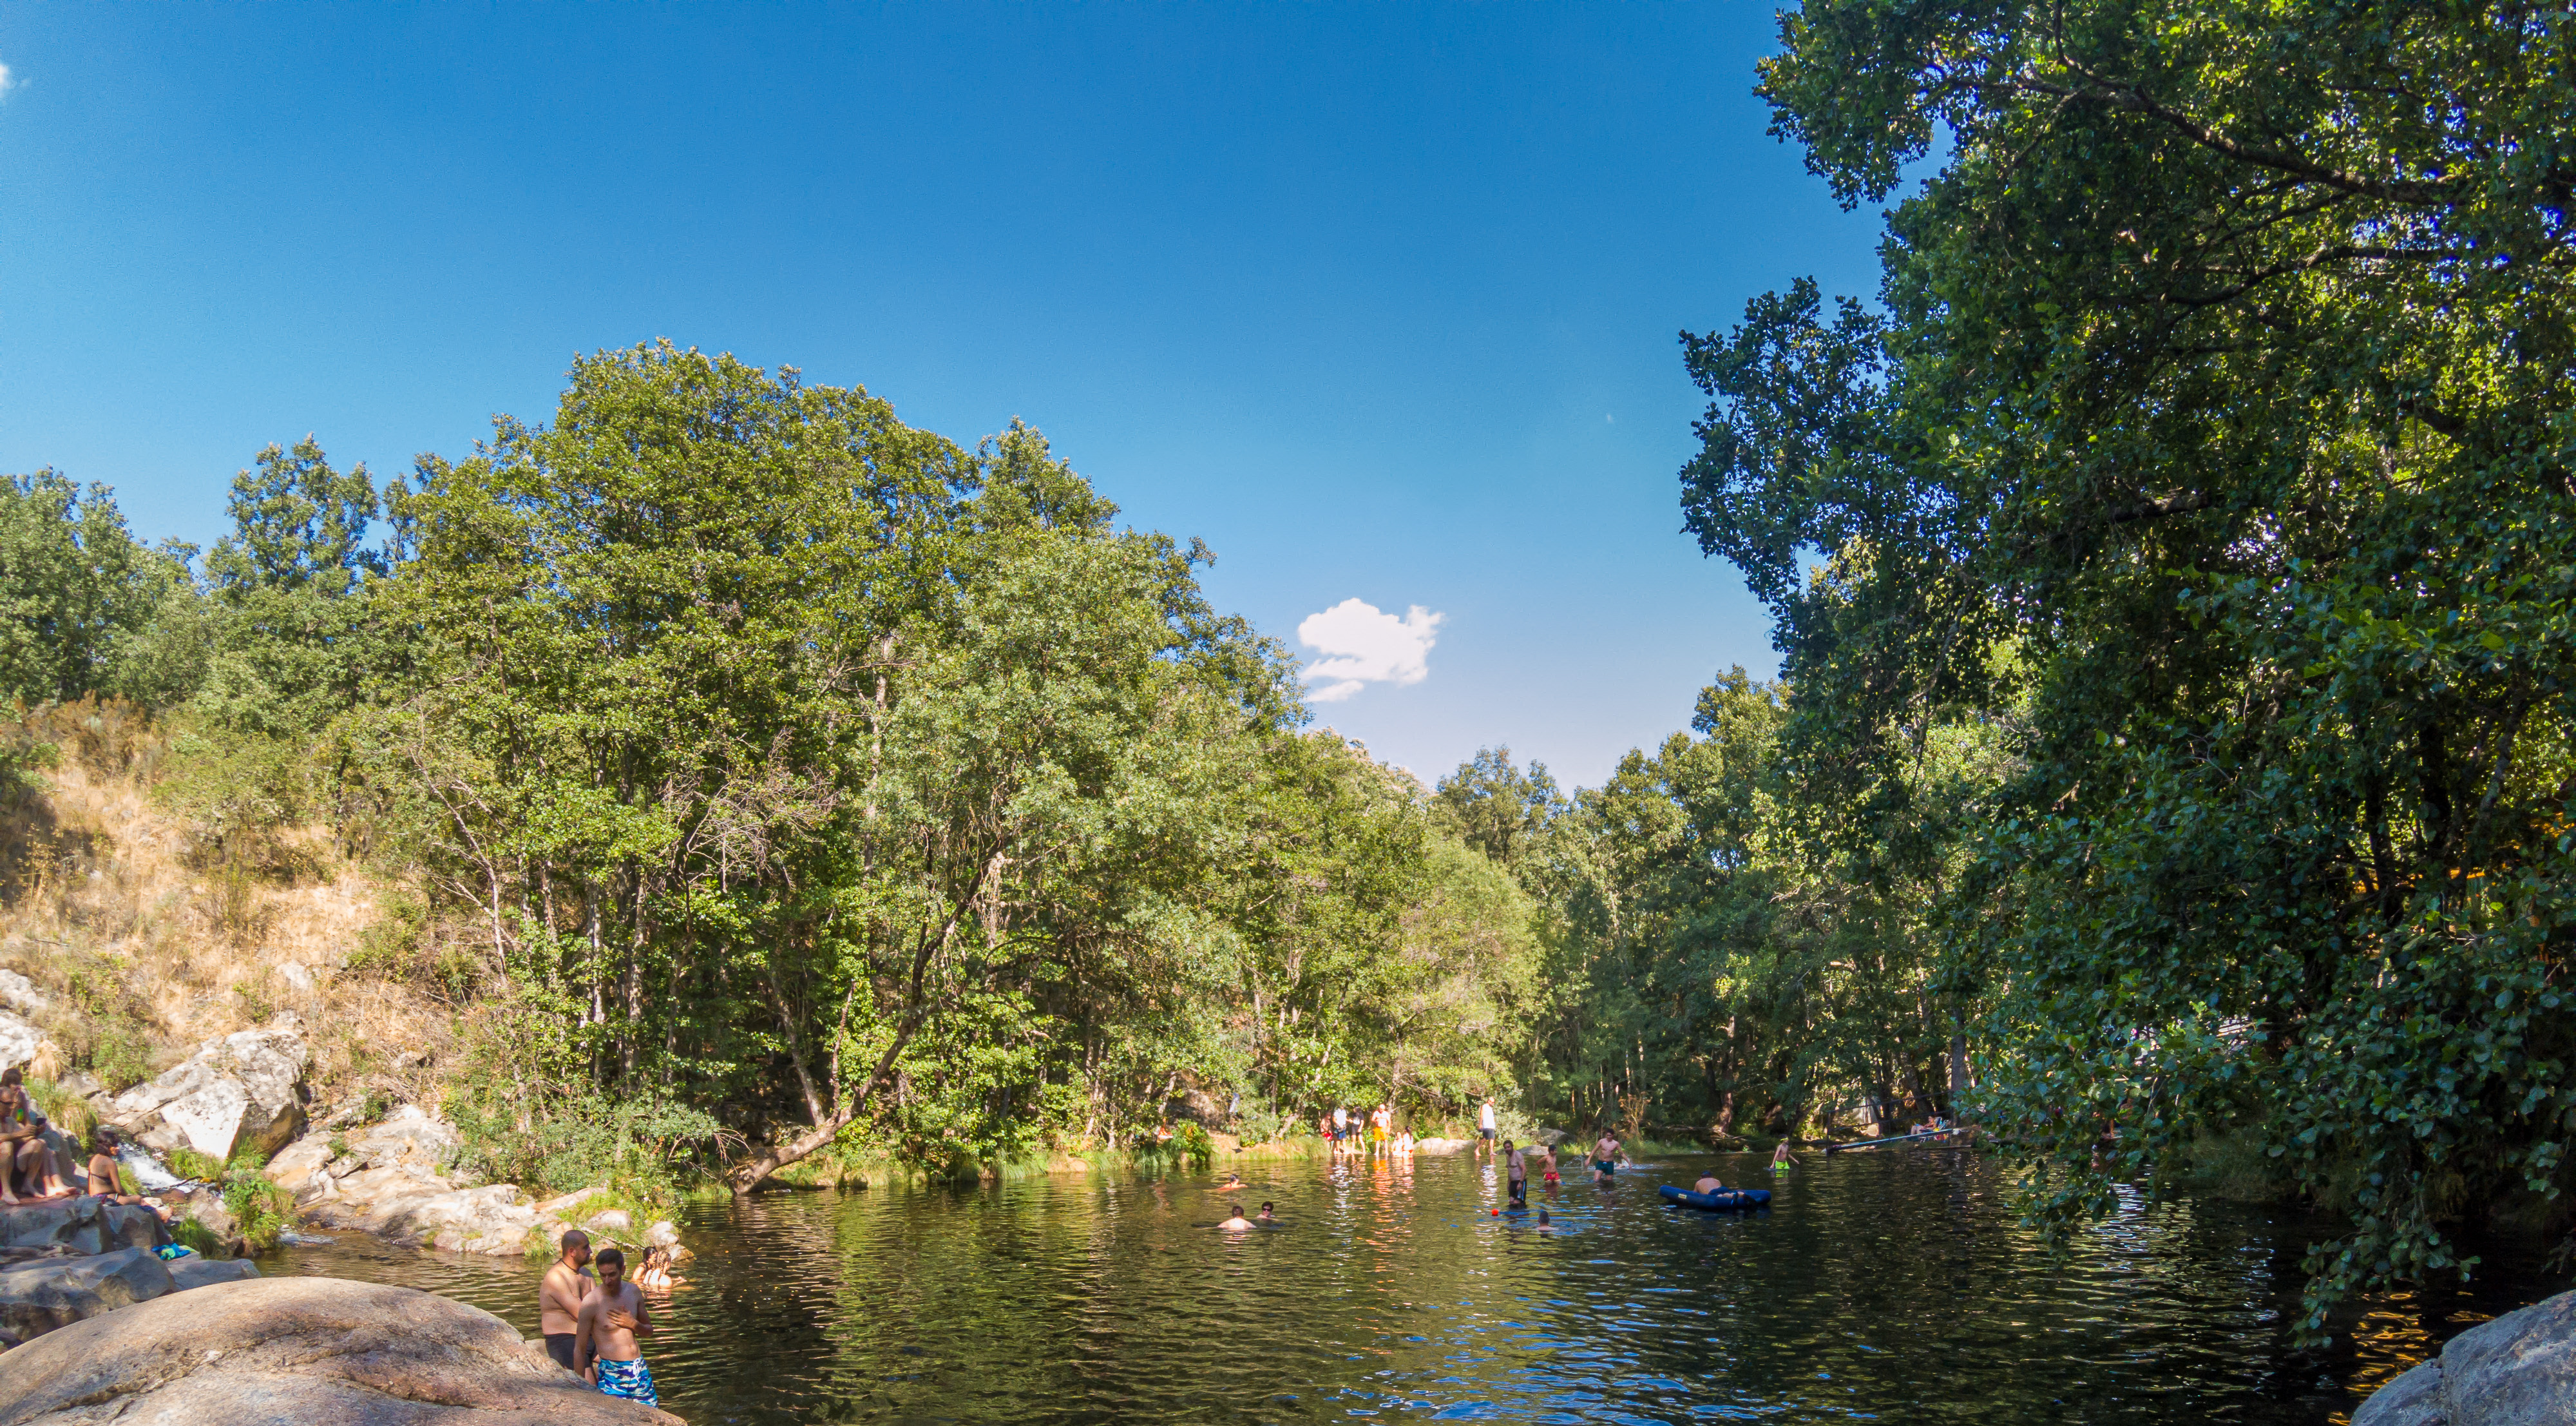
[[237, 1091], [300, 1351], [82, 1225], [2518, 1370], [391, 1179], [40, 1297]]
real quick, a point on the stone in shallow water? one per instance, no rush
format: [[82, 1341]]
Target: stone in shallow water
[[300, 1351]]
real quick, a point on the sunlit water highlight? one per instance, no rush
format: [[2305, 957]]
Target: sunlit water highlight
[[1890, 1286]]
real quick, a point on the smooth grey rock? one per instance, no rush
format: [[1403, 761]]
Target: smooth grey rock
[[2414, 1399], [44, 1296], [193, 1271], [300, 1351], [236, 1091], [2518, 1369], [84, 1225], [614, 1220]]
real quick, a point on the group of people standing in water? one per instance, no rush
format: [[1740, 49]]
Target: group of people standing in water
[[1346, 1131], [592, 1311]]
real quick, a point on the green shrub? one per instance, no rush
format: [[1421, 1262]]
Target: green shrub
[[200, 1239], [188, 1163], [260, 1209]]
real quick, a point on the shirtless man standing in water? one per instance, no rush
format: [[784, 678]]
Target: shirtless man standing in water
[[560, 1296], [609, 1323]]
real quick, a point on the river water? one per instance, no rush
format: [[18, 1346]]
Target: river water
[[1888, 1286]]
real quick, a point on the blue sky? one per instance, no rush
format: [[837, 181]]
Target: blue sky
[[1379, 300]]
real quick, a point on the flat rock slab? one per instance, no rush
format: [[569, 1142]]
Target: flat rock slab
[[84, 1225], [46, 1296], [300, 1351], [192, 1271]]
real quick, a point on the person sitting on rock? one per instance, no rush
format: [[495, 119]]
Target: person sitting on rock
[[22, 1140], [610, 1321], [103, 1182]]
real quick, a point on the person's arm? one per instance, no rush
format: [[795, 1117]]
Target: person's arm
[[644, 1314], [581, 1343]]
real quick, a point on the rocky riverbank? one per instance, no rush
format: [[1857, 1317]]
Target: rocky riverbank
[[300, 1350]]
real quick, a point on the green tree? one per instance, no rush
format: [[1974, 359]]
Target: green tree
[[77, 593], [2218, 399]]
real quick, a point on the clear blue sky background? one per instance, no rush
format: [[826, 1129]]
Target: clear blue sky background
[[1381, 300]]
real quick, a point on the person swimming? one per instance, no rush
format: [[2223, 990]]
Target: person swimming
[[1233, 1181], [1235, 1222], [1269, 1213], [1543, 1225]]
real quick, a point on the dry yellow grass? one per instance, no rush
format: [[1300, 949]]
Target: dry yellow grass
[[102, 884]]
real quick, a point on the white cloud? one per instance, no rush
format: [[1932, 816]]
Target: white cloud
[[1364, 644], [4, 79]]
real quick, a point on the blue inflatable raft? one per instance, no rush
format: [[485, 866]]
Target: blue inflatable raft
[[1725, 1200]]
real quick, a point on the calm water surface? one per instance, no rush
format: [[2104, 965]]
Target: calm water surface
[[1885, 1286]]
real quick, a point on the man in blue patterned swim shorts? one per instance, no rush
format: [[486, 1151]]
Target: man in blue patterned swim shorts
[[604, 1340]]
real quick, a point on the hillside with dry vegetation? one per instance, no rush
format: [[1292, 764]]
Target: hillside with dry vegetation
[[150, 931]]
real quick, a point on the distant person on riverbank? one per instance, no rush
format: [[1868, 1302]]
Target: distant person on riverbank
[[1485, 1125], [1341, 1125], [606, 1330], [560, 1293], [1381, 1123], [1515, 1170], [1404, 1144], [1605, 1157], [1235, 1222]]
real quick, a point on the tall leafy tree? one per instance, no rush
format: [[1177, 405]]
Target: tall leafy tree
[[2218, 398], [78, 593]]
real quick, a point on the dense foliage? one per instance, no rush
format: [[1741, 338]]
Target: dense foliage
[[767, 773], [2211, 441]]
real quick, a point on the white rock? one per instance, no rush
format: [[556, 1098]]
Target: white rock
[[237, 1090], [20, 994], [296, 976], [662, 1234], [18, 1040], [615, 1220]]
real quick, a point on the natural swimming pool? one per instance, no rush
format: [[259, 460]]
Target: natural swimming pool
[[1889, 1286]]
